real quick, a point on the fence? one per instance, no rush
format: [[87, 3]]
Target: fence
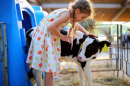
[[3, 59], [118, 55], [125, 50]]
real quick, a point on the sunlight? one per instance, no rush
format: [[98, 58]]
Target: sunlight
[[124, 23]]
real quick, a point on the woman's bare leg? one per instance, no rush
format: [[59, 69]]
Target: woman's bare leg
[[48, 79], [38, 77]]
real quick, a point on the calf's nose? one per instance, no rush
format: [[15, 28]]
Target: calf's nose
[[80, 58]]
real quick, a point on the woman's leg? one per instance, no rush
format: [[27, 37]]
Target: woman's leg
[[48, 79], [38, 77]]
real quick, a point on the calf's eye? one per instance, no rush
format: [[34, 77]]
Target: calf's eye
[[89, 48]]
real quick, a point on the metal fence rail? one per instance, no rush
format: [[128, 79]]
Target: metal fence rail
[[118, 49], [120, 52], [3, 41], [126, 56], [114, 45]]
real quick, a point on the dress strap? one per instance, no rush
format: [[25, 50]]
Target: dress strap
[[62, 10]]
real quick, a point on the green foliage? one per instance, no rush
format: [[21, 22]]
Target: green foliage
[[88, 24]]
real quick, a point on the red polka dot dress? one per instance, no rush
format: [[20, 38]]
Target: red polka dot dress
[[45, 48]]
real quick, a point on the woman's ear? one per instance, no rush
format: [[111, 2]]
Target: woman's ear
[[77, 10]]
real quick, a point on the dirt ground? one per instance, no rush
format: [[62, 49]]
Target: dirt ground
[[104, 78], [107, 78], [99, 79]]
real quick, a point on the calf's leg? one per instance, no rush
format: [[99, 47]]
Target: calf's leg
[[81, 75], [88, 74]]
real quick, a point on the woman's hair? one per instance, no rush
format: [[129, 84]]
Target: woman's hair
[[85, 6]]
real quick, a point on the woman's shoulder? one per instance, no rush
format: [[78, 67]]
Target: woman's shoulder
[[64, 9], [65, 12], [61, 10]]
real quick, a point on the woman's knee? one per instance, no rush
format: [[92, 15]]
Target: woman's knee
[[49, 74]]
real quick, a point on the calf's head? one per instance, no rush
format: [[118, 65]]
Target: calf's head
[[90, 48]]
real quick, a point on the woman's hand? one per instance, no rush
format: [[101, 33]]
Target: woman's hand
[[67, 38], [90, 34]]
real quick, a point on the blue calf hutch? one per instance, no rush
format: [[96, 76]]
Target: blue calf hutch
[[19, 16]]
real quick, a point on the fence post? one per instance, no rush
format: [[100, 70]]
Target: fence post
[[3, 39], [117, 64], [110, 52]]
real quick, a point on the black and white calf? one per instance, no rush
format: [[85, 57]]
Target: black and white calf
[[84, 50]]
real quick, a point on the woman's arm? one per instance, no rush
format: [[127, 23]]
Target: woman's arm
[[80, 28], [64, 17]]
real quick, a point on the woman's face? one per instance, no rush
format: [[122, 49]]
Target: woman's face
[[80, 16]]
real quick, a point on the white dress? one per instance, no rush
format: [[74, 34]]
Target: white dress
[[45, 48]]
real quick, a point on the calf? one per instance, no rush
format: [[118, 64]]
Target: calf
[[84, 50]]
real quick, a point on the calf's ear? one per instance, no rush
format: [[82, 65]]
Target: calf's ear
[[102, 43], [81, 40]]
